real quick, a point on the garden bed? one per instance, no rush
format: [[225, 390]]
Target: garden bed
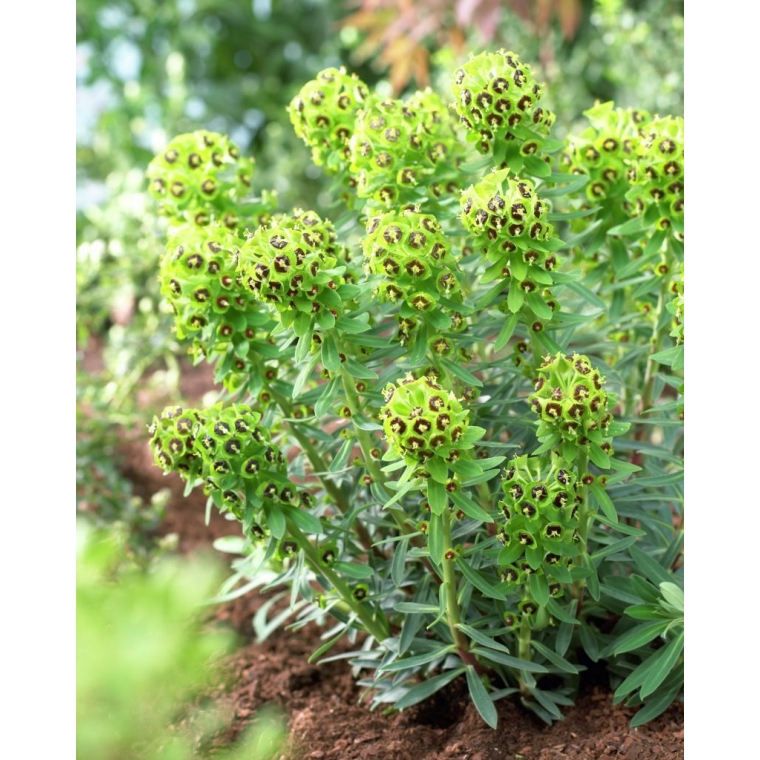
[[321, 703]]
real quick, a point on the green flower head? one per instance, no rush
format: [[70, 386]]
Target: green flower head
[[410, 252], [570, 400], [238, 455], [607, 151], [496, 94], [292, 264], [323, 115], [398, 145], [199, 176], [172, 441], [659, 174], [421, 420]]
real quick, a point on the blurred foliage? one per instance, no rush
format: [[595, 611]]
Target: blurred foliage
[[143, 655]]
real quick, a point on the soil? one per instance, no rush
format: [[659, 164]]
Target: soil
[[321, 703]]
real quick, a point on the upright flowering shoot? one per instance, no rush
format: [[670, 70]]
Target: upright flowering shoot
[[292, 265], [538, 529], [409, 251], [573, 407], [199, 279], [498, 101], [509, 221], [398, 145], [200, 176], [323, 115], [421, 421], [658, 187]]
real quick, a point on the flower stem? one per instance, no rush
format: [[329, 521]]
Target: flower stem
[[453, 613], [373, 627]]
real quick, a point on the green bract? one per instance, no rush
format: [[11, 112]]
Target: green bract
[[659, 180], [398, 145], [607, 150], [172, 441], [323, 115], [198, 176], [571, 402], [240, 461], [539, 508], [497, 99], [292, 264], [409, 250], [422, 420]]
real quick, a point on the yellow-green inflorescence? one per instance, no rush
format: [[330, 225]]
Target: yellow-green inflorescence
[[199, 279], [421, 420], [571, 403], [293, 265], [410, 252], [510, 223], [398, 145], [323, 115], [539, 526], [658, 186], [200, 176], [498, 101], [229, 449], [607, 150]]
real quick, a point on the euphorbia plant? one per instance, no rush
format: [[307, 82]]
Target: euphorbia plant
[[420, 432]]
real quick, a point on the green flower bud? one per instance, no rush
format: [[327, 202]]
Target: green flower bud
[[292, 265], [570, 400], [410, 252], [172, 441], [323, 115], [200, 175], [421, 420]]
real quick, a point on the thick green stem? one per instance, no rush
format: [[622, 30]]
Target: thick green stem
[[656, 343], [320, 466], [584, 521], [379, 629], [523, 649], [453, 614]]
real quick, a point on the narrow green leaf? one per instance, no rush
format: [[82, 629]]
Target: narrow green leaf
[[482, 638], [427, 688], [435, 538], [656, 706], [461, 373], [554, 658], [539, 588], [509, 660], [438, 469], [639, 635], [651, 569], [416, 607], [341, 458], [354, 570], [604, 501], [437, 496], [417, 660], [483, 703], [327, 646], [469, 507], [477, 580], [330, 357], [665, 664], [398, 563], [506, 332]]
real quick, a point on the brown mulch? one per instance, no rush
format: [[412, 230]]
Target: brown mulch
[[321, 703]]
